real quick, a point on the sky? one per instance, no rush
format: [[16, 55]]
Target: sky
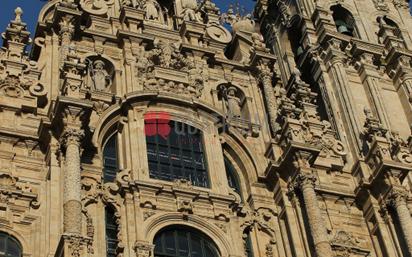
[[31, 9]]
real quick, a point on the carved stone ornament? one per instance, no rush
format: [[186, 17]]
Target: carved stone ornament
[[97, 7], [401, 4], [156, 65], [344, 238], [143, 249], [18, 193], [12, 86], [381, 5], [154, 11], [218, 33], [191, 11]]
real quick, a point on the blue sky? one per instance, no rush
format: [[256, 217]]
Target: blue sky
[[31, 9]]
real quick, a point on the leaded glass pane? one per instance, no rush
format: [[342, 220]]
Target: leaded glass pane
[[177, 154], [110, 162], [183, 242], [9, 246], [111, 232]]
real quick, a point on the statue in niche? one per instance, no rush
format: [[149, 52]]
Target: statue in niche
[[233, 102], [190, 11], [153, 11], [100, 77]]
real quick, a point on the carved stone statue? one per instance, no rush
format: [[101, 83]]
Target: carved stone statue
[[153, 10], [233, 102], [99, 75], [190, 11]]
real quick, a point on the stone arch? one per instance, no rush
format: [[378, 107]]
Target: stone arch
[[346, 18], [113, 116], [106, 125], [157, 222], [238, 151], [388, 15], [103, 56], [350, 8], [26, 249], [47, 8]]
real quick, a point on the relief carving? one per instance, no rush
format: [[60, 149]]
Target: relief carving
[[191, 11], [100, 75], [165, 58], [97, 7]]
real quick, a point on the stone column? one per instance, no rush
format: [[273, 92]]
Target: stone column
[[397, 199], [265, 77], [335, 63], [72, 207], [306, 184], [66, 33], [403, 81], [368, 72]]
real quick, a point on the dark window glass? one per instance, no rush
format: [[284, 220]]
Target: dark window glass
[[9, 246], [232, 177], [344, 21], [175, 151], [183, 242], [111, 232], [110, 162], [248, 245]]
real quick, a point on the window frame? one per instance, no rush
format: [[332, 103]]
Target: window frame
[[189, 234], [184, 165], [113, 227], [7, 239], [115, 168]]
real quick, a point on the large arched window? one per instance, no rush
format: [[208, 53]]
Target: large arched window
[[344, 21], [9, 246], [112, 230], [175, 151], [110, 162], [178, 241]]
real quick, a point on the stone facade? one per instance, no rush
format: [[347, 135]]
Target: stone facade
[[310, 102]]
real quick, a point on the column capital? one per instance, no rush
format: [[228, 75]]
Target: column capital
[[71, 136], [302, 159], [397, 196], [303, 181], [143, 249], [265, 73]]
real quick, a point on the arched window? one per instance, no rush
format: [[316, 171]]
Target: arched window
[[232, 177], [344, 21], [9, 246], [110, 162], [112, 230], [179, 241], [175, 151]]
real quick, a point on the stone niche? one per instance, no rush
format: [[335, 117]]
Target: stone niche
[[100, 74]]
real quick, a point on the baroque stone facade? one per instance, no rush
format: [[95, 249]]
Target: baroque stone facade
[[302, 112]]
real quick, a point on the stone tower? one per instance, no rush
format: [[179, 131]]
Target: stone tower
[[167, 128]]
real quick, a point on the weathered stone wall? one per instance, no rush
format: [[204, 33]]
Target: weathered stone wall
[[319, 136]]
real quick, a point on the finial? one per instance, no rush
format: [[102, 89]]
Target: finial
[[18, 12]]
